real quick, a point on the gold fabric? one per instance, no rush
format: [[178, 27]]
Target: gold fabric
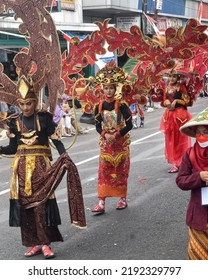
[[115, 160], [198, 244], [30, 153], [14, 190], [30, 166]]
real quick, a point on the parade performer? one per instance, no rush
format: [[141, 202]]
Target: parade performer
[[193, 176], [113, 123], [33, 205], [175, 100]]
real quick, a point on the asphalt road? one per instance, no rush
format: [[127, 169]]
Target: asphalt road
[[151, 228]]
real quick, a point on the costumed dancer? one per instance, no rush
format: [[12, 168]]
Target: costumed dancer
[[113, 123], [193, 176], [175, 100], [33, 204]]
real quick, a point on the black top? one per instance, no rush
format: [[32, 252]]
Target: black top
[[47, 128], [123, 110]]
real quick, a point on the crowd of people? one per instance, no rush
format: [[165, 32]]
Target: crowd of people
[[65, 118]]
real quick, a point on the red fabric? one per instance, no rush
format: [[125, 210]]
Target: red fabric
[[112, 178], [176, 143], [141, 112]]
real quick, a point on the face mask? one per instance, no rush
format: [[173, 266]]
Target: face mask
[[202, 140]]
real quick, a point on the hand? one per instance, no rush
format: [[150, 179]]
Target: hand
[[173, 104], [110, 138], [204, 176], [167, 103]]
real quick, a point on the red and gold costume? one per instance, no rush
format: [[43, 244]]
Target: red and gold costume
[[114, 160], [173, 118], [113, 122]]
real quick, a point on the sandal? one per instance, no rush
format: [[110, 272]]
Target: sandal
[[35, 250], [98, 209], [47, 252], [122, 204], [173, 169]]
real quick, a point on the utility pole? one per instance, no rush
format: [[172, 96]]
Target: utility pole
[[158, 6], [144, 19], [156, 10]]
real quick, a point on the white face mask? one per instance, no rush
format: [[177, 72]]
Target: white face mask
[[203, 144]]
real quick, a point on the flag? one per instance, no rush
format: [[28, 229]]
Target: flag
[[66, 37], [152, 22], [199, 13]]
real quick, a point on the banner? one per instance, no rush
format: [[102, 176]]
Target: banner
[[68, 5]]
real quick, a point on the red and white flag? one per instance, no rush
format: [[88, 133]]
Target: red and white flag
[[66, 37], [152, 22]]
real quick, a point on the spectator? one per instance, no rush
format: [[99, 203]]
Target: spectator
[[3, 109], [193, 176]]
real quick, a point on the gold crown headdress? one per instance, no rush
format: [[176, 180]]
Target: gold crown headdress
[[25, 89], [110, 74], [39, 65]]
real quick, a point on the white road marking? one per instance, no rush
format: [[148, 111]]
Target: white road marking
[[95, 157]]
